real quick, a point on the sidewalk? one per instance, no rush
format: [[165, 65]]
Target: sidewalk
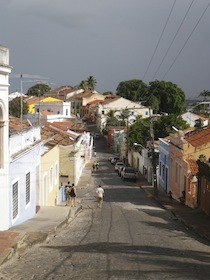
[[194, 219], [42, 227]]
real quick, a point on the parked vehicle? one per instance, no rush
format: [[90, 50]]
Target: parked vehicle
[[118, 164], [129, 173]]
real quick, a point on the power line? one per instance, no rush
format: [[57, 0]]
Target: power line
[[173, 38], [187, 40], [159, 39]]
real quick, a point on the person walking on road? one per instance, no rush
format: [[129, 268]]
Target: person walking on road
[[66, 191], [99, 196], [72, 193]]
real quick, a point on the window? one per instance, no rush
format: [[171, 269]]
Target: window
[[163, 171], [160, 169], [14, 200], [51, 178], [28, 188], [102, 112], [56, 172]]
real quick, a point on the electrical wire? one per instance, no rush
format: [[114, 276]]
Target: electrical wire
[[187, 40], [177, 32], [159, 39]]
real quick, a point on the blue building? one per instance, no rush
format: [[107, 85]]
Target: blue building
[[163, 163]]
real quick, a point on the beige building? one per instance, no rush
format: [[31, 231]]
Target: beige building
[[50, 194]]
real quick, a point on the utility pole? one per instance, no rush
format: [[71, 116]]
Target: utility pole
[[154, 158]]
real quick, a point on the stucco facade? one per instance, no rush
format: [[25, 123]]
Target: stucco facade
[[163, 163], [49, 191], [5, 69], [184, 150]]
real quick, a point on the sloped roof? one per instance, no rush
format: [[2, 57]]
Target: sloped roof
[[56, 136], [16, 125], [108, 101], [63, 125], [199, 138], [193, 166], [31, 100], [94, 102], [86, 93]]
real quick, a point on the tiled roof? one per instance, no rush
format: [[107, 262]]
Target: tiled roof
[[193, 166], [199, 138], [86, 93], [110, 101], [32, 100], [56, 136], [63, 125], [15, 125], [94, 102]]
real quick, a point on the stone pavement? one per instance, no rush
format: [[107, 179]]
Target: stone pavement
[[48, 221], [194, 219]]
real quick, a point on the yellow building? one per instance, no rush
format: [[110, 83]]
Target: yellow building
[[31, 101], [49, 192]]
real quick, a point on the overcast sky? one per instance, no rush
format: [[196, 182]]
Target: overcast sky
[[112, 40]]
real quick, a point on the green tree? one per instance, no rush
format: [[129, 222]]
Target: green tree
[[123, 117], [91, 82], [170, 98], [198, 123], [112, 121], [38, 90], [139, 132], [133, 90], [205, 94], [15, 107], [163, 125], [83, 85]]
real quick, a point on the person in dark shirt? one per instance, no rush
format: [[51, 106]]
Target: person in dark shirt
[[72, 193]]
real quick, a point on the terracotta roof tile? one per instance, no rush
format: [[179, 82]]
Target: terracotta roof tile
[[58, 137], [193, 166], [15, 125], [199, 138]]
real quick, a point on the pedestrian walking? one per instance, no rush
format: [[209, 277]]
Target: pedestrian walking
[[72, 193], [66, 191], [99, 196]]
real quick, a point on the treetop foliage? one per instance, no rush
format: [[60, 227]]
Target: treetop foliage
[[38, 90], [15, 107], [161, 96]]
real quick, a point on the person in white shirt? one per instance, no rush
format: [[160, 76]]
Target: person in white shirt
[[99, 196]]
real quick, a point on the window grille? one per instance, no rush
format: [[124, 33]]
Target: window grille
[[28, 189], [15, 199]]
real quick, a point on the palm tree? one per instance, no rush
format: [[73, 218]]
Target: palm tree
[[83, 85], [124, 115], [205, 93], [91, 82]]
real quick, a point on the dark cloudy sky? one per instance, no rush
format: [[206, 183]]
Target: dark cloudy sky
[[112, 40]]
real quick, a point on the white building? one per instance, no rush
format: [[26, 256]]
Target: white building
[[119, 104], [5, 192]]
